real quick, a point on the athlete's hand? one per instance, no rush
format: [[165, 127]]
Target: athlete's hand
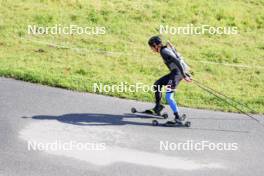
[[188, 79]]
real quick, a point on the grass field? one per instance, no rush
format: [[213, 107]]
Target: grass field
[[232, 64]]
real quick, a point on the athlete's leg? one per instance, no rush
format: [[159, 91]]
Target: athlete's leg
[[172, 102], [158, 91], [173, 83]]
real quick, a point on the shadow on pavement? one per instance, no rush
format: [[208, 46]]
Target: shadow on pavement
[[92, 119], [95, 119]]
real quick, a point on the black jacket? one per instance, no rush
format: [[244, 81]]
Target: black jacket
[[171, 60]]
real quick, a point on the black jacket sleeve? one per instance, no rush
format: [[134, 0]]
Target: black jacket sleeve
[[178, 64]]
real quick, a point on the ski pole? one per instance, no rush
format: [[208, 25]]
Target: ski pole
[[221, 98], [226, 96]]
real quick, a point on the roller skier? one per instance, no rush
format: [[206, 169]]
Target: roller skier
[[178, 71]]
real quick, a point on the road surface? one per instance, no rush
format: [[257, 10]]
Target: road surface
[[52, 131]]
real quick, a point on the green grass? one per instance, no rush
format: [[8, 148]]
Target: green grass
[[129, 24]]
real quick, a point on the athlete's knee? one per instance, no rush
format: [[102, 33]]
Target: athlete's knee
[[157, 86]]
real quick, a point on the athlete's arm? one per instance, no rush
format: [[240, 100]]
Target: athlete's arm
[[178, 64], [172, 62]]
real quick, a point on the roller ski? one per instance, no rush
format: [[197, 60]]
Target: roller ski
[[156, 112], [178, 122]]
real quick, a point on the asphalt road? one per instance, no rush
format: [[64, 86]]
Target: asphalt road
[[119, 143]]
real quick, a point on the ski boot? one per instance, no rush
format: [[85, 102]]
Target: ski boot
[[156, 110], [178, 120]]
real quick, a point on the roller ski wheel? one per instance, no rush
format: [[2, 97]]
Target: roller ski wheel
[[155, 122], [133, 110]]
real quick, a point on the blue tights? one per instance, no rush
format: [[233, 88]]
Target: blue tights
[[171, 101]]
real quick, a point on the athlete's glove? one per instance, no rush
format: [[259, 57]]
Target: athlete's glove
[[188, 77]]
